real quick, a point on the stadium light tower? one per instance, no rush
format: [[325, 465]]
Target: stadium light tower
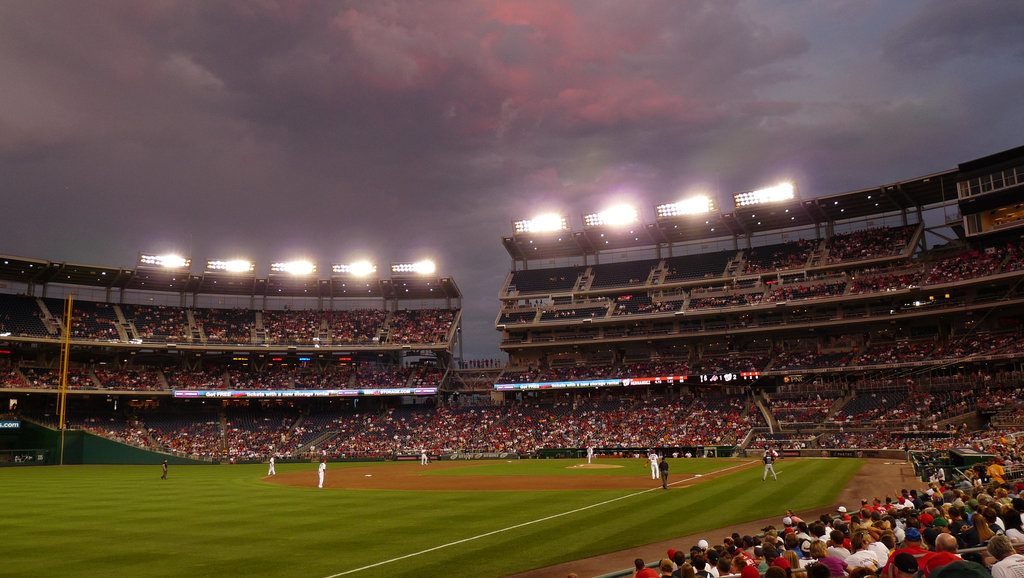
[[357, 269], [170, 261], [425, 267], [297, 268], [546, 223], [230, 266], [779, 193], [613, 216], [695, 205]]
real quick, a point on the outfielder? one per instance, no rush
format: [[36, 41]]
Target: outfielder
[[321, 471], [768, 459], [272, 471]]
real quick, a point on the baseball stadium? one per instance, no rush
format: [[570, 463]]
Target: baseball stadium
[[869, 341]]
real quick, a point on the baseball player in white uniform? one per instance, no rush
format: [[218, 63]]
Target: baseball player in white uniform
[[321, 471], [769, 459], [655, 471], [424, 460], [590, 453], [272, 471]]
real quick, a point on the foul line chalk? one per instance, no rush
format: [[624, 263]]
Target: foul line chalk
[[531, 522]]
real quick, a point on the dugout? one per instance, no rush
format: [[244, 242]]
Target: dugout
[[967, 457]]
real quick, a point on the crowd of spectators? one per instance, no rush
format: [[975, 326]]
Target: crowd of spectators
[[381, 376], [191, 435], [420, 325], [157, 322], [869, 243], [799, 291], [355, 326], [211, 378], [877, 283], [790, 255], [257, 435], [974, 263], [130, 379], [225, 325], [734, 300], [299, 327]]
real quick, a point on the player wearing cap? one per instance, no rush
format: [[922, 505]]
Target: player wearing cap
[[321, 471], [653, 458], [272, 471], [768, 459]]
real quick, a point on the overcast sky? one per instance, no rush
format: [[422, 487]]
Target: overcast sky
[[401, 130]]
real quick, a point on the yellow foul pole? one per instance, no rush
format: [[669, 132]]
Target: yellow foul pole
[[65, 354]]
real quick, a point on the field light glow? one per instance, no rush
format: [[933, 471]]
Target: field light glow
[[231, 266], [358, 269], [780, 192], [294, 267], [542, 224], [617, 215], [166, 261], [425, 267], [696, 205]]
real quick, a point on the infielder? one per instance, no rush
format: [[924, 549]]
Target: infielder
[[655, 472], [590, 453], [424, 460], [768, 459], [272, 471], [321, 471]]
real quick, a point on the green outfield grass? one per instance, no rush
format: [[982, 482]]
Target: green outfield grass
[[626, 467], [223, 520]]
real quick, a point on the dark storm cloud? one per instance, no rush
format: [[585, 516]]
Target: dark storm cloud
[[402, 130], [941, 31]]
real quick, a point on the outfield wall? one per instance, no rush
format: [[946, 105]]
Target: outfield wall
[[81, 447]]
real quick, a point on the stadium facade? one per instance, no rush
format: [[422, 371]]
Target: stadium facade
[[801, 320]]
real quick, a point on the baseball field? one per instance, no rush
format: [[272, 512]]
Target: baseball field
[[487, 518]]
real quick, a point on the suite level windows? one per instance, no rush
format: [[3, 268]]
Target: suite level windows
[[996, 181]]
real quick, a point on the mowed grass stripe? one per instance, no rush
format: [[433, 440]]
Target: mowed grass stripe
[[206, 520], [630, 467]]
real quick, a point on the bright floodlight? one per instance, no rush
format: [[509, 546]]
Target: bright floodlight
[[166, 261], [231, 266], [542, 224], [420, 267], [294, 267], [358, 269], [780, 192], [617, 215], [696, 205]]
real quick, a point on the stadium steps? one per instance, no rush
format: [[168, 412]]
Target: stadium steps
[[125, 329], [766, 413], [195, 333], [222, 417], [319, 440], [51, 323]]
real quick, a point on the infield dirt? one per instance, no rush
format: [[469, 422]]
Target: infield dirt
[[876, 475], [411, 476]]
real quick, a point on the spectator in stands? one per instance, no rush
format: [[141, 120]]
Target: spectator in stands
[[1009, 564], [819, 554]]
